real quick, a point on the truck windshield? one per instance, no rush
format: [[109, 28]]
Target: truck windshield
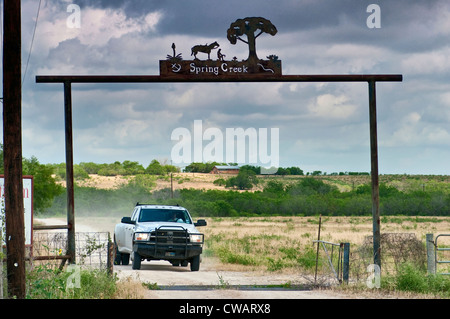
[[164, 215]]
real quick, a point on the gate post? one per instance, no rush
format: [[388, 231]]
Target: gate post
[[431, 257], [346, 266], [69, 172], [374, 173]]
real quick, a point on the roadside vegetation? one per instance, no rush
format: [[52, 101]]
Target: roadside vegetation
[[45, 282], [409, 282]]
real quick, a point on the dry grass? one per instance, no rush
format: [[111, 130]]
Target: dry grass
[[334, 229], [129, 288], [264, 238]]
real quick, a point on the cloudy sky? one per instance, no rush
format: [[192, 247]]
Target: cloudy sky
[[322, 126]]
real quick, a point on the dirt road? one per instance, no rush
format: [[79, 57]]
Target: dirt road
[[209, 283]]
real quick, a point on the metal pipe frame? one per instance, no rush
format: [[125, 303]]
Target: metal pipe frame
[[371, 79], [190, 79]]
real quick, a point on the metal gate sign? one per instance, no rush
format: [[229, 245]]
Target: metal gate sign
[[246, 30], [27, 205]]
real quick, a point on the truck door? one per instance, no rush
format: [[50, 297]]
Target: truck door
[[129, 230]]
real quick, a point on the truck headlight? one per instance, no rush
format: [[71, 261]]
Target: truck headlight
[[141, 236], [196, 238]]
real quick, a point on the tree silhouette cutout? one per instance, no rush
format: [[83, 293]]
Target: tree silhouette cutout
[[249, 27]]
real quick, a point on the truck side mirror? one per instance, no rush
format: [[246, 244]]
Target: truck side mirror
[[200, 222], [127, 220]]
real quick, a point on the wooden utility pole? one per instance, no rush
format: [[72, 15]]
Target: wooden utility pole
[[12, 149]]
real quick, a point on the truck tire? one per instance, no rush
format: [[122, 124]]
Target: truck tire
[[195, 263], [125, 259], [117, 257], [136, 261]]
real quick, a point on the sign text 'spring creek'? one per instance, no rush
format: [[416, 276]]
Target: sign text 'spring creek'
[[215, 69]]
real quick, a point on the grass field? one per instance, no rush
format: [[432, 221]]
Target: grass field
[[285, 244]]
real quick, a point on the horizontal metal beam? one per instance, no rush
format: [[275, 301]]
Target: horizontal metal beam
[[193, 79], [48, 227], [51, 257]]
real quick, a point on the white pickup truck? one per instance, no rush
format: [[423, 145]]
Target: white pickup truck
[[159, 232]]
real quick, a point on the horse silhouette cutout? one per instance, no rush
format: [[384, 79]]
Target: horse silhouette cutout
[[204, 49]]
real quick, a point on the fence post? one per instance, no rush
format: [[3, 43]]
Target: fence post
[[317, 253], [431, 260], [110, 261], [346, 266]]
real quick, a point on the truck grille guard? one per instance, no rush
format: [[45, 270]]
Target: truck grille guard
[[166, 236]]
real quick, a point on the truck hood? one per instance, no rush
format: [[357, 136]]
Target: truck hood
[[151, 226]]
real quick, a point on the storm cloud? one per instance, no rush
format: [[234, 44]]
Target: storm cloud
[[323, 126]]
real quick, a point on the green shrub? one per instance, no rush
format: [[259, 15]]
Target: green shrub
[[412, 278], [227, 256], [44, 282], [219, 182], [307, 258]]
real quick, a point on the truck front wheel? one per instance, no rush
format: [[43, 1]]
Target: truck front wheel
[[195, 263], [136, 261]]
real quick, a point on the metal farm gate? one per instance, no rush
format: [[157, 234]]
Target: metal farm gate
[[438, 255]]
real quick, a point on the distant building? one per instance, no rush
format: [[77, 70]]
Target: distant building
[[225, 170]]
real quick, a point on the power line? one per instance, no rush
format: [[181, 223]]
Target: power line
[[32, 41]]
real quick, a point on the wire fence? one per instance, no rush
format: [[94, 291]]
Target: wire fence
[[92, 249], [396, 250]]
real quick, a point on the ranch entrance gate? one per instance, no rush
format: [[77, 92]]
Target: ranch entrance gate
[[176, 70]]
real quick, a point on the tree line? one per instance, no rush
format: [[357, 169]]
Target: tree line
[[125, 168], [310, 197], [197, 167], [307, 197]]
